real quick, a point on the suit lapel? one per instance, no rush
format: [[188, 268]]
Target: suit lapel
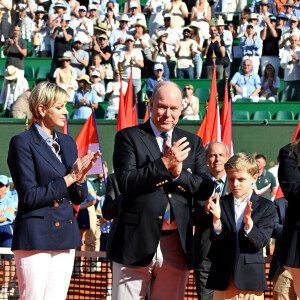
[[228, 206], [44, 150], [148, 138]]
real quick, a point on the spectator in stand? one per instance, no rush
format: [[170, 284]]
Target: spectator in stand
[[118, 37], [110, 21], [190, 103], [289, 8], [160, 52], [127, 5], [266, 182], [186, 50], [134, 16], [20, 109], [62, 36], [246, 82], [154, 9], [13, 86], [5, 24], [138, 63], [226, 37], [213, 44], [270, 50], [197, 60], [26, 10], [228, 8], [84, 27], [104, 50], [286, 36], [263, 12], [93, 14], [74, 6], [85, 98], [113, 95], [270, 83], [296, 11], [142, 38], [56, 20], [253, 19], [97, 66], [201, 13], [60, 3], [174, 35], [114, 5], [15, 48], [6, 232], [242, 25], [291, 66], [65, 76], [40, 29], [251, 44], [178, 10], [98, 86], [158, 76], [281, 19], [80, 58]]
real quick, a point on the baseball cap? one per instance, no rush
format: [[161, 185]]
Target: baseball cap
[[133, 4], [95, 74], [158, 67], [92, 6], [4, 180], [66, 17], [82, 7]]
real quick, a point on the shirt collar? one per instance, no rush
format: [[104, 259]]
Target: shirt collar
[[46, 137], [157, 132], [223, 178], [245, 200]]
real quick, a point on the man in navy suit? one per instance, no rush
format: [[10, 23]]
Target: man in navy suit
[[159, 168], [216, 155]]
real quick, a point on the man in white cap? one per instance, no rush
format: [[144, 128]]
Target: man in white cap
[[80, 58], [65, 3], [84, 27], [285, 37], [158, 76], [138, 63], [227, 38], [14, 85], [134, 15], [174, 35], [178, 10]]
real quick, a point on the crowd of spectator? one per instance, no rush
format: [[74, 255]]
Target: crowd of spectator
[[96, 40]]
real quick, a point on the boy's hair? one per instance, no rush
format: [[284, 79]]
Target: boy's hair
[[242, 161]]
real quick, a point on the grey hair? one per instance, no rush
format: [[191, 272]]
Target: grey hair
[[207, 147]]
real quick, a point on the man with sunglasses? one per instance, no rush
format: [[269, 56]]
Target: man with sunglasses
[[80, 58], [119, 35], [285, 38]]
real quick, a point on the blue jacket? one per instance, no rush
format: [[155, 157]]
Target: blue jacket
[[45, 218]]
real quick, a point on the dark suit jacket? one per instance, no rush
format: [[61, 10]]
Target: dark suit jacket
[[281, 205], [111, 204], [202, 235], [289, 179], [247, 266], [147, 186], [42, 223]]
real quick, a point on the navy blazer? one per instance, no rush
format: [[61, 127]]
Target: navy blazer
[[289, 180], [45, 218], [147, 186], [247, 266]]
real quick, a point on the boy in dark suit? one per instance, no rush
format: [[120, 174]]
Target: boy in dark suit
[[243, 223]]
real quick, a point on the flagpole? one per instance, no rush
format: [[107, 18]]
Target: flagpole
[[136, 107], [26, 123], [94, 117]]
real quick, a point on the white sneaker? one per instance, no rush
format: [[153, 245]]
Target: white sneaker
[[108, 297], [3, 296], [98, 266]]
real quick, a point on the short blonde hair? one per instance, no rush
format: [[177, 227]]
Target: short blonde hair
[[242, 161], [47, 94]]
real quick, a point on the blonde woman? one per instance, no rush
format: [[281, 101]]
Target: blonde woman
[[190, 104], [270, 84]]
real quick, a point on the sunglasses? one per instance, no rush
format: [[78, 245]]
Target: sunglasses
[[187, 88], [159, 70], [292, 21]]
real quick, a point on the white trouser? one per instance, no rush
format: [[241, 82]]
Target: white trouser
[[44, 275]]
